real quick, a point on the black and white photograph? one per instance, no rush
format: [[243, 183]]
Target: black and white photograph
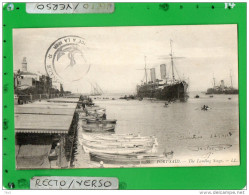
[[134, 96]]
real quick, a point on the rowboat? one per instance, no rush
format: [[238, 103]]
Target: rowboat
[[82, 115], [124, 138], [86, 117], [96, 114], [99, 128], [79, 110], [113, 146], [126, 159], [95, 109], [93, 106], [118, 138], [107, 121], [101, 143], [117, 149]]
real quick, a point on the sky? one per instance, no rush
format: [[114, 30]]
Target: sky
[[115, 54]]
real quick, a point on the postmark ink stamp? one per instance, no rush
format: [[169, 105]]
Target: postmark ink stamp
[[66, 58]]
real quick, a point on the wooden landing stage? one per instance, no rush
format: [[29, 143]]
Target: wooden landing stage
[[51, 123]]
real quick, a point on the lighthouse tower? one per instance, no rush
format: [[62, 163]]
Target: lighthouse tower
[[24, 65]]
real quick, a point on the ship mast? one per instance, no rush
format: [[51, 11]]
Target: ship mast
[[96, 90], [100, 91], [231, 79], [172, 63], [145, 69], [214, 80]]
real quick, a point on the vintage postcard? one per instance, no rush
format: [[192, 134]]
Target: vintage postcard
[[138, 96]]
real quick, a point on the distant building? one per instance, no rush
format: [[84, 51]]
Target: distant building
[[28, 83], [24, 79]]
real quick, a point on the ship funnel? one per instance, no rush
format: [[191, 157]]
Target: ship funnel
[[153, 74], [222, 84], [163, 71]]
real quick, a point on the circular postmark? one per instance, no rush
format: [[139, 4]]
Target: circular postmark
[[65, 60]]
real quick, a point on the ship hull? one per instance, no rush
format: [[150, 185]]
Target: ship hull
[[217, 91], [177, 91]]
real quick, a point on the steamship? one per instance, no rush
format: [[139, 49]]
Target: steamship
[[166, 88], [222, 88]]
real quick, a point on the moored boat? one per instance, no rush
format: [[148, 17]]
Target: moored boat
[[95, 110], [93, 106], [118, 150], [99, 128], [101, 143], [86, 117], [107, 121], [82, 115], [118, 137], [96, 114], [126, 159]]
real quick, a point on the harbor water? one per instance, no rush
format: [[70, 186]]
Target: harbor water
[[181, 127]]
